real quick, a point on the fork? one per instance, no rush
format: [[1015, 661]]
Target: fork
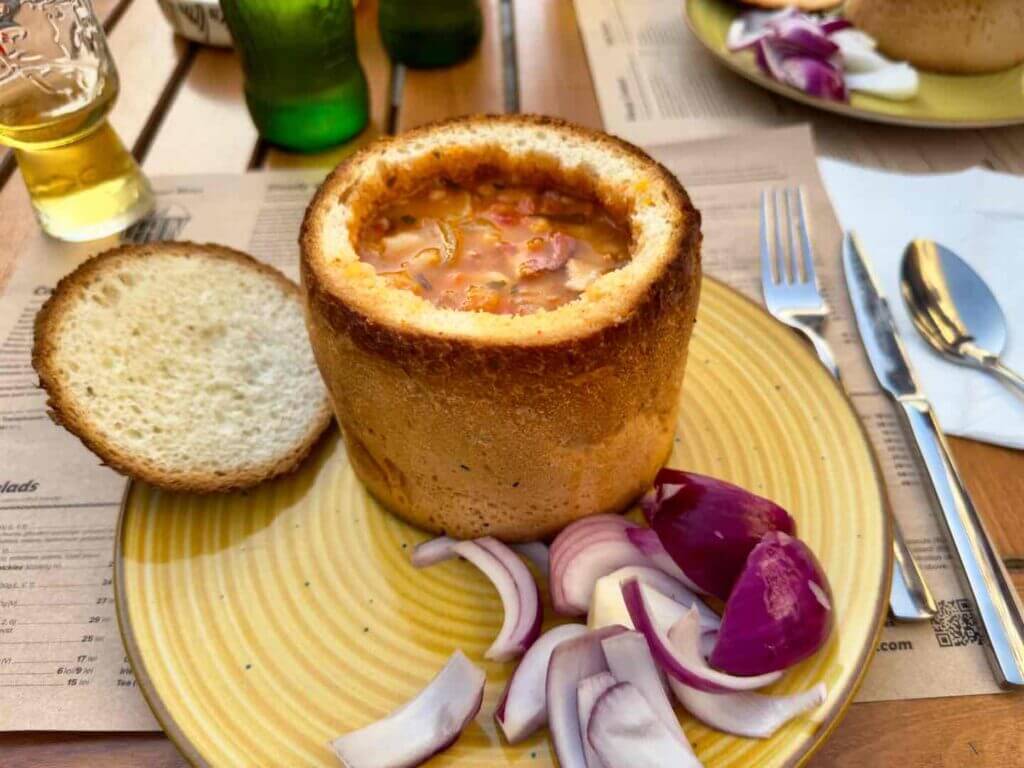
[[792, 296]]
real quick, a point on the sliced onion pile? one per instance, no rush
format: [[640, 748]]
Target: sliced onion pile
[[823, 57], [601, 689], [424, 726]]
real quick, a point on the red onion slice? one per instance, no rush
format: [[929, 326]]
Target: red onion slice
[[537, 553], [572, 661], [647, 541], [578, 535], [754, 715], [531, 612], [588, 692], [626, 733], [748, 28], [648, 503], [800, 36], [668, 598], [524, 705], [422, 727], [629, 659], [589, 565], [575, 529], [433, 551], [682, 659], [833, 25], [520, 621]]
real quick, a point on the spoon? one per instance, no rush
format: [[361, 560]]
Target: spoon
[[954, 310]]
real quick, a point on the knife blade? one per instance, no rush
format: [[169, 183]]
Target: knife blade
[[982, 571]]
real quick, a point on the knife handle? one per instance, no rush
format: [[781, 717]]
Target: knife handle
[[994, 594]]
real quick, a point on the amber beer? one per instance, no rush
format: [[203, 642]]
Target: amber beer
[[58, 83]]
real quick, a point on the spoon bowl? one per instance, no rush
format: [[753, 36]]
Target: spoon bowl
[[954, 309]]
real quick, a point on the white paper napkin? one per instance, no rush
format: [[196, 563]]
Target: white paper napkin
[[980, 215]]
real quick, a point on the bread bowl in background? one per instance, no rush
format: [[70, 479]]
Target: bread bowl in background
[[474, 423], [951, 36]]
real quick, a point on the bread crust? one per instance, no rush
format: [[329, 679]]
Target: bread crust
[[472, 423], [66, 411], [952, 36]]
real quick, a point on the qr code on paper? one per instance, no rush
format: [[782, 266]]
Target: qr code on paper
[[955, 625]]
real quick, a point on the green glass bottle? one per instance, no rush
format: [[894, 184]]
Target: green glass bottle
[[304, 85], [430, 33]]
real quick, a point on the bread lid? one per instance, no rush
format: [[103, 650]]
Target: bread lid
[[184, 365], [524, 149]]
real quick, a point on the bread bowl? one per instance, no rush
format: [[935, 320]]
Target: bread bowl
[[953, 36], [474, 422]]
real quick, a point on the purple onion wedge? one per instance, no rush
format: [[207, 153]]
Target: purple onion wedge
[[779, 612], [424, 726], [710, 526]]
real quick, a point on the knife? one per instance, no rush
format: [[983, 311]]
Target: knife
[[983, 572]]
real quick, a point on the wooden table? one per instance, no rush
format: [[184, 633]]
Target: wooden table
[[181, 110]]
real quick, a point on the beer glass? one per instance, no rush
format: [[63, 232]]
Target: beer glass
[[58, 83]]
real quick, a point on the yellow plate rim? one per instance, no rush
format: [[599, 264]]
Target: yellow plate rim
[[839, 108], [191, 753]]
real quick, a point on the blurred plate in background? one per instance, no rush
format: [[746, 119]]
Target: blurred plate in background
[[944, 101]]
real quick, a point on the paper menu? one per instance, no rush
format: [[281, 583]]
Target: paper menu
[[59, 506], [62, 664], [653, 80]]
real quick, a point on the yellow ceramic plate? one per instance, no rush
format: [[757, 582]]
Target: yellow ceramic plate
[[260, 625], [944, 101]]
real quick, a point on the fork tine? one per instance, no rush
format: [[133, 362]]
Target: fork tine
[[767, 267], [791, 256], [780, 254], [805, 239]]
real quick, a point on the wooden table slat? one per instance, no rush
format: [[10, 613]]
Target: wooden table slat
[[554, 77], [204, 130], [475, 85]]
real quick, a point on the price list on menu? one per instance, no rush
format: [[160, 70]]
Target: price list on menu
[[62, 662]]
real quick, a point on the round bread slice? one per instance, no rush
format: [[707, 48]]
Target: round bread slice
[[187, 366]]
